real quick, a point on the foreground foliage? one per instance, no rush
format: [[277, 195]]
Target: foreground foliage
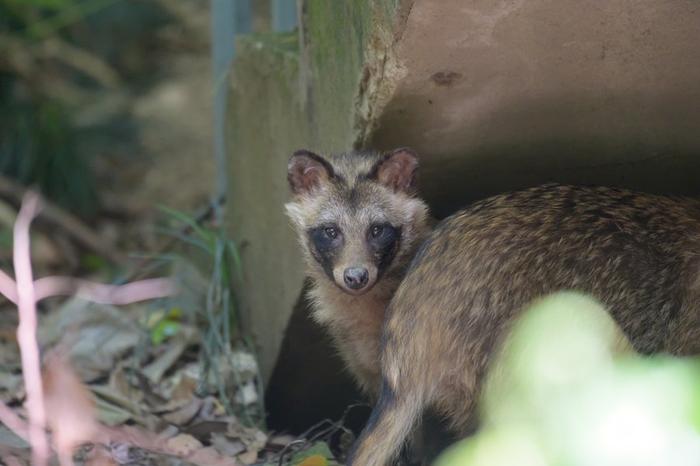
[[568, 391]]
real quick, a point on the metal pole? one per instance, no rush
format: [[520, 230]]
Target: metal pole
[[284, 15], [228, 18]]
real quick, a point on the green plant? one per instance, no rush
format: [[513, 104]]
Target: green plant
[[38, 19], [37, 140], [37, 147], [568, 391], [223, 330]]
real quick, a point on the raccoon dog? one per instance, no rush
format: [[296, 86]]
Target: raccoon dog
[[359, 223], [639, 254]]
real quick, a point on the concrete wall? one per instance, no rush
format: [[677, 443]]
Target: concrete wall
[[503, 94], [266, 120]]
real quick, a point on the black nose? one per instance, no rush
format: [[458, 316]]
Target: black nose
[[356, 277]]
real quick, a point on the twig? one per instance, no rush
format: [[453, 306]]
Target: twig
[[307, 439], [71, 224], [26, 331], [81, 60], [287, 448], [104, 294], [334, 425], [117, 295]]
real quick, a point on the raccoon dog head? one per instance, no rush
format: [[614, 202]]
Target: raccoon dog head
[[356, 214]]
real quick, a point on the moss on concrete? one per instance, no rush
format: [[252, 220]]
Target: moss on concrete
[[339, 40]]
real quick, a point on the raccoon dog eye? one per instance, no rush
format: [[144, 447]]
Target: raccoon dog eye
[[331, 232], [376, 231]]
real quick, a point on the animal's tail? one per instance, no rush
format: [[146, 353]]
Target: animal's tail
[[390, 423]]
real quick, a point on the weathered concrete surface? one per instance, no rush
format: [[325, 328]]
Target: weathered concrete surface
[[349, 68], [503, 94], [266, 122], [493, 94]]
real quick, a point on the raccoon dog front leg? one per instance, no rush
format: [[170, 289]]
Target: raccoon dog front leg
[[390, 423]]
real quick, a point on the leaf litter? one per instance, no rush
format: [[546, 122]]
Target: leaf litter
[[149, 383], [113, 397]]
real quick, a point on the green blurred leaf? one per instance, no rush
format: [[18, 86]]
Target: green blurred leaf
[[38, 147], [317, 452], [6, 238], [164, 329], [94, 263], [567, 391], [509, 446], [205, 235], [561, 342]]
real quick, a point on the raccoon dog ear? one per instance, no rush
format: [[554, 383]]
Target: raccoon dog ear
[[397, 170], [306, 171]]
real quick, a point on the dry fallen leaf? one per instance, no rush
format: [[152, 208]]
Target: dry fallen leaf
[[314, 460], [120, 382], [183, 384], [98, 335], [202, 429], [248, 457], [99, 457], [227, 446], [183, 415], [280, 440], [210, 457], [70, 407], [155, 370], [255, 439], [124, 453], [183, 445], [213, 409], [169, 431]]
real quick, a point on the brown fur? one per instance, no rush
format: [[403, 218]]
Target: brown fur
[[351, 191], [636, 253]]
